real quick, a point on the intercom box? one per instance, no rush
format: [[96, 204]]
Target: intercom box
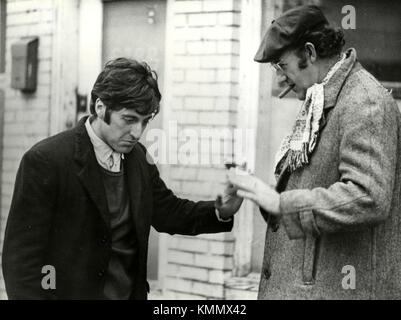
[[24, 67]]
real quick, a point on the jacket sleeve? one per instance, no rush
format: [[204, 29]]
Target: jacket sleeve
[[181, 216], [28, 227], [368, 133]]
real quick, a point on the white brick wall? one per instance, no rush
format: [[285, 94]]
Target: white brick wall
[[204, 96], [26, 118]]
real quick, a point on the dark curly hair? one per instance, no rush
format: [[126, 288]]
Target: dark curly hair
[[327, 41], [126, 83]]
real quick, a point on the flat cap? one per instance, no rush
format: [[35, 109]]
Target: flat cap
[[287, 29]]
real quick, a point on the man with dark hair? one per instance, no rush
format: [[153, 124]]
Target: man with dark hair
[[85, 199], [334, 218]]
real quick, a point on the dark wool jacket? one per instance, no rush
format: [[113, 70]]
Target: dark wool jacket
[[59, 217], [342, 209]]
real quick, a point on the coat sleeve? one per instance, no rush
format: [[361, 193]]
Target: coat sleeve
[[368, 133], [174, 215], [28, 226]]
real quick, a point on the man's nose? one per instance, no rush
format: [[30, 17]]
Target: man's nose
[[136, 130]]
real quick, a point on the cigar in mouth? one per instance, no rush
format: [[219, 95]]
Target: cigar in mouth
[[285, 91]]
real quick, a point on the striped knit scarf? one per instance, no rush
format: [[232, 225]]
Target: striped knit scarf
[[299, 145]]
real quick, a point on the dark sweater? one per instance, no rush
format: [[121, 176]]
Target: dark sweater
[[119, 278]]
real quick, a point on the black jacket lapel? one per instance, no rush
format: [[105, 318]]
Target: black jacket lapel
[[89, 172], [135, 182]]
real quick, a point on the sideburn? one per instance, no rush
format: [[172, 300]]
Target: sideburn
[[107, 116], [303, 62]]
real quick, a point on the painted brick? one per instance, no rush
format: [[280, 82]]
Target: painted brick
[[229, 18], [220, 5], [214, 261], [199, 90], [199, 103], [180, 20], [28, 5], [227, 75], [45, 15], [203, 19], [206, 189], [188, 33], [210, 290], [222, 236], [201, 47], [226, 103], [178, 284], [228, 47], [217, 61], [189, 244], [180, 257], [178, 75], [201, 75], [208, 174], [188, 117], [218, 276], [33, 30], [27, 105], [171, 295], [187, 6], [219, 33], [179, 47], [223, 248], [235, 294], [177, 103], [184, 173], [216, 118], [224, 75], [186, 272], [186, 62]]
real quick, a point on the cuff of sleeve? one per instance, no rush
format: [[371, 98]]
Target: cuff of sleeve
[[220, 219], [297, 215]]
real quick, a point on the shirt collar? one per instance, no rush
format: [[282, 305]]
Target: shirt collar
[[102, 150]]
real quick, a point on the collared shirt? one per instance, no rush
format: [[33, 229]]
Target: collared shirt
[[105, 155]]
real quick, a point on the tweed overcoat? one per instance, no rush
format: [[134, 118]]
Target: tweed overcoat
[[340, 233]]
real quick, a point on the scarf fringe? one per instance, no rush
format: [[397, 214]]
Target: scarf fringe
[[298, 158]]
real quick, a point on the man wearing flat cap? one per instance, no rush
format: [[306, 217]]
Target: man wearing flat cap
[[334, 217]]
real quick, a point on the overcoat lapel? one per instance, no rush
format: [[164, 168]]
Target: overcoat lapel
[[135, 182], [89, 172]]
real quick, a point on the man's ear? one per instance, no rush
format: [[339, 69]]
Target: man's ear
[[100, 109], [311, 52]]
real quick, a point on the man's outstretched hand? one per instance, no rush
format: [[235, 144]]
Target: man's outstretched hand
[[228, 203]]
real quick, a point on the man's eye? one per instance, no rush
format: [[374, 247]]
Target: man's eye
[[129, 120]]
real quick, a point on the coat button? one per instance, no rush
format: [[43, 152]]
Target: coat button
[[101, 273]]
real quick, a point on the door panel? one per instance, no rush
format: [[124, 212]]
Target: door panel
[[136, 29]]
